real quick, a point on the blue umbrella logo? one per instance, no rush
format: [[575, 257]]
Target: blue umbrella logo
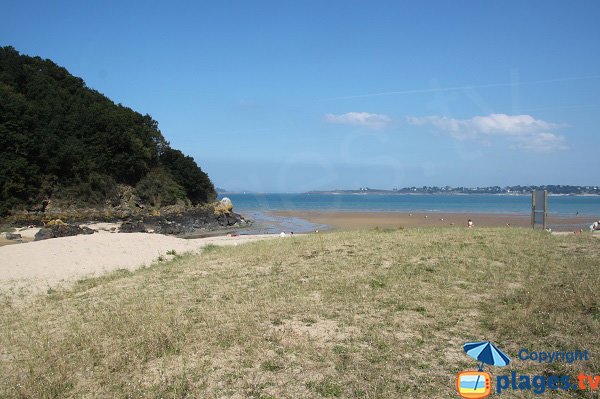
[[486, 352]]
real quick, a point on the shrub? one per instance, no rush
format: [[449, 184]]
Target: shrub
[[158, 189]]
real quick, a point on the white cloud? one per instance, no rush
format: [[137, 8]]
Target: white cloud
[[366, 119], [523, 131], [542, 142]]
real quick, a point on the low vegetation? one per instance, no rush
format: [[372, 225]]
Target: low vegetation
[[362, 314]]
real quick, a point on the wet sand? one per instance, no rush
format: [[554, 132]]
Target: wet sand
[[357, 220]]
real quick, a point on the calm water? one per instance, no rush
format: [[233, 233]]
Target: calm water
[[557, 205]]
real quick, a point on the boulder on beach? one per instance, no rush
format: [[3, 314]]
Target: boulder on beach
[[132, 227], [170, 228], [224, 206], [226, 203], [61, 230], [13, 236]]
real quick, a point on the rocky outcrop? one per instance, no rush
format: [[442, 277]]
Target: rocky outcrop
[[198, 219], [61, 230], [173, 220], [12, 236]]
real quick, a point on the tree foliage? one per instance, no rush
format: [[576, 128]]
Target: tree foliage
[[158, 188], [197, 185], [61, 139]]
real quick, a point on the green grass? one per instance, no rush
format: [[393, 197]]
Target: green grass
[[362, 314]]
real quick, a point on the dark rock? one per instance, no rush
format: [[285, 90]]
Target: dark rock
[[230, 219], [63, 230], [192, 220], [174, 220], [13, 236], [227, 219], [136, 226], [172, 228]]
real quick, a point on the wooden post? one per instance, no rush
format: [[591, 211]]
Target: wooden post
[[537, 203], [533, 209], [545, 208]]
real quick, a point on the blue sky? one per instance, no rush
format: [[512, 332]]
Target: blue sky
[[292, 96]]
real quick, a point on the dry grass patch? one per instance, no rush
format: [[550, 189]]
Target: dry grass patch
[[362, 314]]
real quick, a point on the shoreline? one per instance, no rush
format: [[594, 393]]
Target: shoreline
[[341, 220]]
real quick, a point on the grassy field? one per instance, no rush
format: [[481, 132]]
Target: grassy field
[[362, 314]]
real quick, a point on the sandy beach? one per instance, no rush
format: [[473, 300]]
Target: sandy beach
[[39, 264], [356, 220], [49, 262]]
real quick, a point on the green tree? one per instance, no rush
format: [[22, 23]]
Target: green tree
[[195, 182], [61, 139]]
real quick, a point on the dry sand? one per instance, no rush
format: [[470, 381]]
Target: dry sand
[[50, 262], [355, 220]]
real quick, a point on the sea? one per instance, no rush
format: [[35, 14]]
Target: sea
[[257, 206]]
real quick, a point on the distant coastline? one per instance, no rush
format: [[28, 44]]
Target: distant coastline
[[390, 192], [490, 190]]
